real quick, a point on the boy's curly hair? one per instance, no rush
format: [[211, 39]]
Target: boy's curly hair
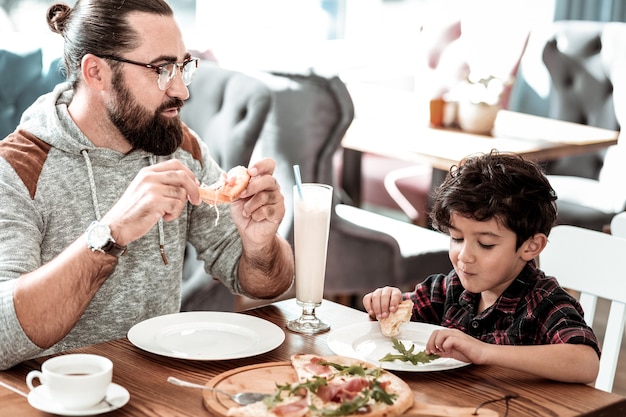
[[497, 185]]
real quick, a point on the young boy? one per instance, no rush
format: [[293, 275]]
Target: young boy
[[497, 306]]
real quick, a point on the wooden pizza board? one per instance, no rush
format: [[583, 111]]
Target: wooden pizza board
[[263, 378]]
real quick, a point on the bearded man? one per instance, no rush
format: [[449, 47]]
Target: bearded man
[[99, 190]]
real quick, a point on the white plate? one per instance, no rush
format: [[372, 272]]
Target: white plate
[[40, 398], [366, 342], [206, 335]]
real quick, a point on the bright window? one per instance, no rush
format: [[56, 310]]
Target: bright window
[[370, 40]]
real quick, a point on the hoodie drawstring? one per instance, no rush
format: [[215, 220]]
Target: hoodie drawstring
[[92, 184], [94, 197], [161, 233]]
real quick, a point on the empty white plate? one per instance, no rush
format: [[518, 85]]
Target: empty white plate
[[206, 335]]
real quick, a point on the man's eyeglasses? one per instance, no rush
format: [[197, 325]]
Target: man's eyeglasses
[[166, 72]]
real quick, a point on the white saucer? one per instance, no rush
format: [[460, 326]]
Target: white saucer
[[117, 397]]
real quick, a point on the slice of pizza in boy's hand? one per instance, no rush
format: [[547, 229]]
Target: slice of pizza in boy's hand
[[390, 325], [333, 386], [227, 188]]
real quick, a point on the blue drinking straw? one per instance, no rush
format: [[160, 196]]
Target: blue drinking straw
[[296, 173]]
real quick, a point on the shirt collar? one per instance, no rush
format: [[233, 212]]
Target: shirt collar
[[507, 302]]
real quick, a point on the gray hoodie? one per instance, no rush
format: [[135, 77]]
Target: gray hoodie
[[54, 183]]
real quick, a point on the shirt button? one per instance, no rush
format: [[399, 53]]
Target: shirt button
[[475, 324]]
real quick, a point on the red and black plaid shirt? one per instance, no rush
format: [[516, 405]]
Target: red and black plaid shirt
[[533, 310]]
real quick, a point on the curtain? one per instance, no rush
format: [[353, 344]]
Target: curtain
[[597, 10]]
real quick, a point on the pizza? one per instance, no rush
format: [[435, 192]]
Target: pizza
[[333, 386], [227, 188], [390, 325]]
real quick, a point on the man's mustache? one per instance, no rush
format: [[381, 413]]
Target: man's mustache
[[174, 102]]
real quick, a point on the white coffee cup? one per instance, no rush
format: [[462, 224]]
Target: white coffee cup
[[76, 381]]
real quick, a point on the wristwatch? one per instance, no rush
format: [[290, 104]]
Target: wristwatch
[[99, 239]]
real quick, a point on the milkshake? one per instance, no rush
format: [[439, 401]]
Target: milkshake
[[311, 222], [311, 228]]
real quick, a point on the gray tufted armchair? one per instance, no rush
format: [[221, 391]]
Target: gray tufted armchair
[[582, 90], [586, 63]]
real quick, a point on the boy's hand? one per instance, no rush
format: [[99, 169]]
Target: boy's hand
[[382, 301], [453, 343]]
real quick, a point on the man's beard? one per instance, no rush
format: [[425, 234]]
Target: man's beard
[[154, 133]]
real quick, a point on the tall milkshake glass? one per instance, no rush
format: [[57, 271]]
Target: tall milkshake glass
[[311, 226]]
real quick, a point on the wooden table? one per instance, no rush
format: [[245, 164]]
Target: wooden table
[[394, 123], [144, 375]]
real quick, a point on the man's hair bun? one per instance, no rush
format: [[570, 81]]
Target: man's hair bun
[[56, 16]]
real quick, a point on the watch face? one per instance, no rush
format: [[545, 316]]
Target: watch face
[[98, 236]]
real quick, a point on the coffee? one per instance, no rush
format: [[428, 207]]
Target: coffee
[[78, 369]]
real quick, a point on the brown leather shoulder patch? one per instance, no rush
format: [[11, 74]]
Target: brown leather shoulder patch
[[26, 154], [191, 145]]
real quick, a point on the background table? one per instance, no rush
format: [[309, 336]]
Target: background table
[[533, 137], [394, 123], [144, 375]]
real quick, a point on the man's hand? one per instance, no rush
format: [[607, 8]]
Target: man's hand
[[266, 268], [261, 207], [158, 191]]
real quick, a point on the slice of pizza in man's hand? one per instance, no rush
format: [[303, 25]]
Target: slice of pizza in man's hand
[[334, 386], [227, 188]]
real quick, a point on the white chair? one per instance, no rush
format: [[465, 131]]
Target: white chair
[[618, 225], [406, 188], [589, 262]]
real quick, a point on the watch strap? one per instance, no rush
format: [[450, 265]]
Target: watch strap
[[114, 249]]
